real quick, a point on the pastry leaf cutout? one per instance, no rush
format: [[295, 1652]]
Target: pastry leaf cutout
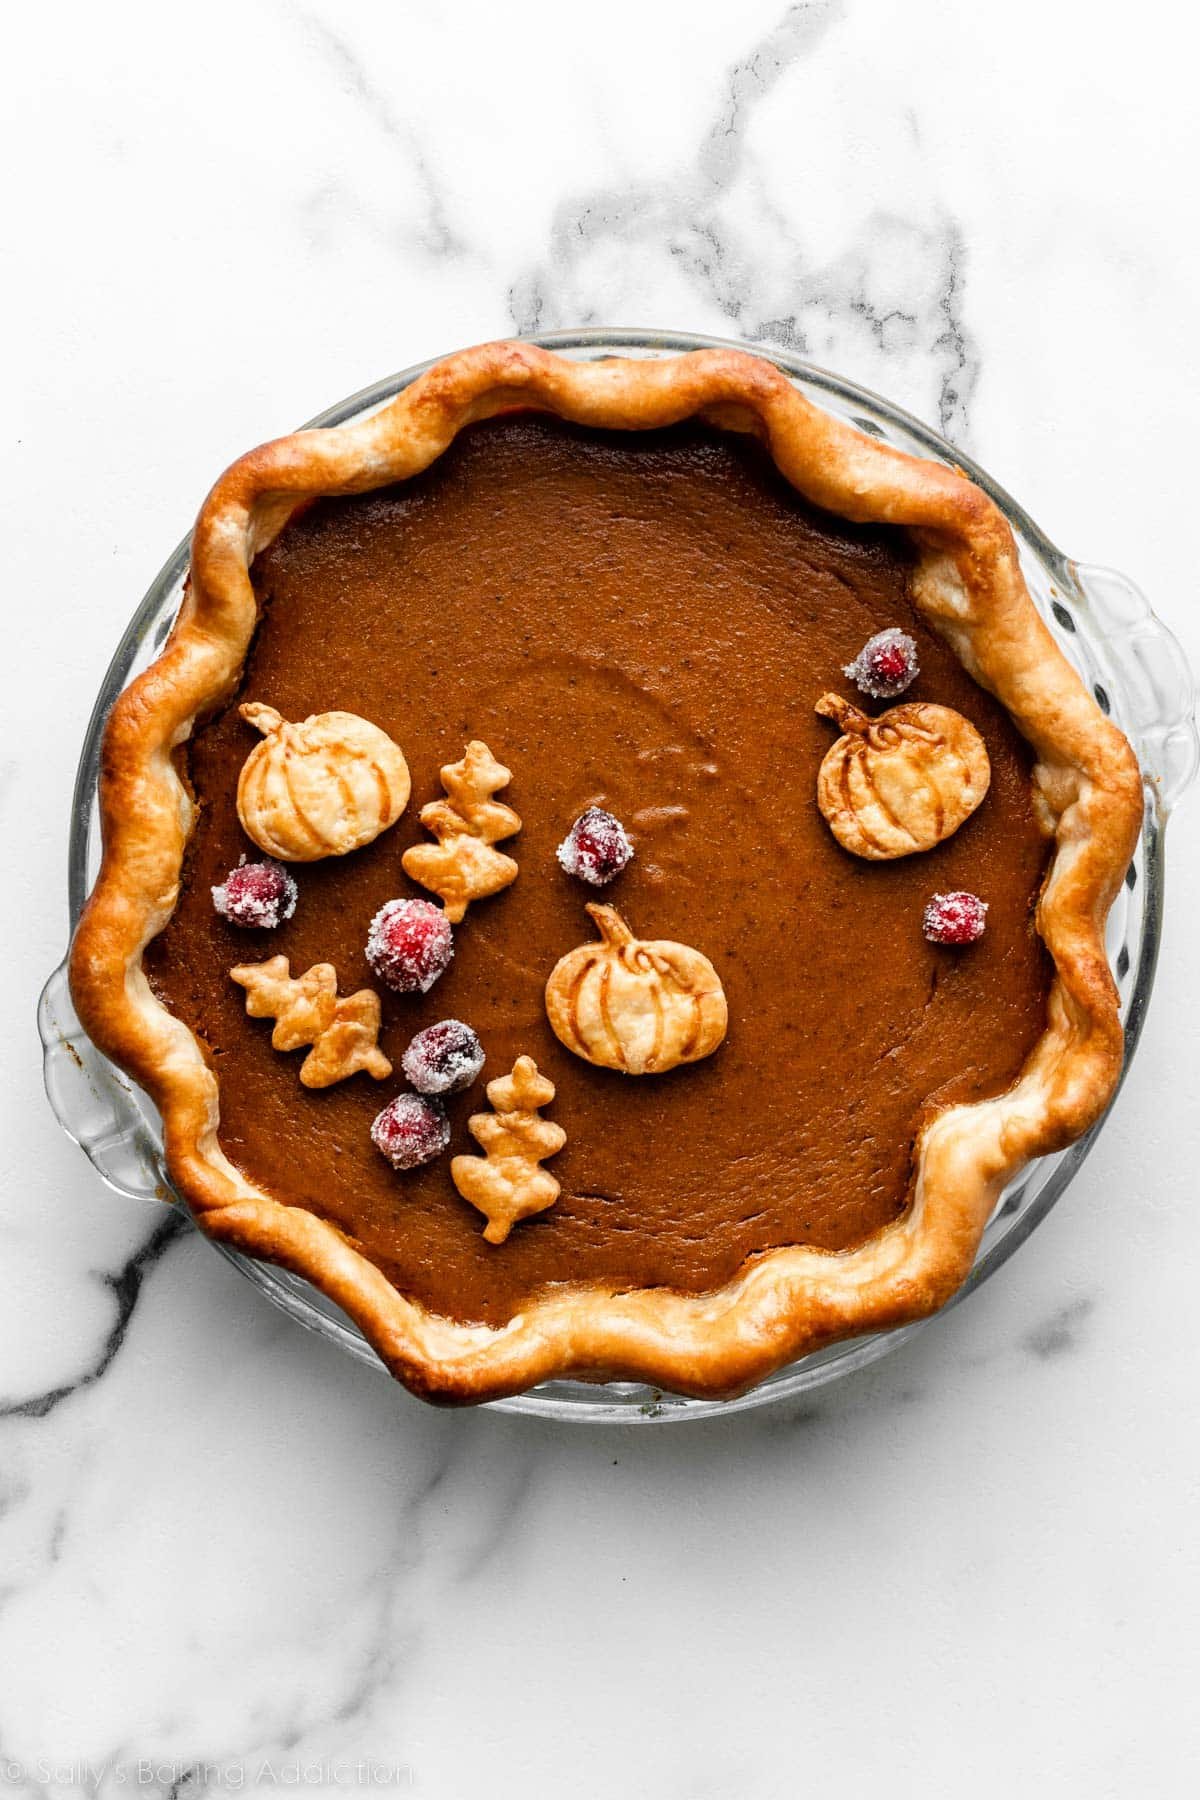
[[505, 1183], [463, 866], [343, 1032]]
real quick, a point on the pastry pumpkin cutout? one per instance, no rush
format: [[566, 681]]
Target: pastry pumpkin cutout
[[902, 782], [638, 1007], [321, 787]]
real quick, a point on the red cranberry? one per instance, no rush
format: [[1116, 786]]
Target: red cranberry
[[959, 918], [886, 664], [444, 1058], [259, 895], [596, 848], [411, 1130], [409, 945]]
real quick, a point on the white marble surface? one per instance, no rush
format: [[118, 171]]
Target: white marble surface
[[229, 1558]]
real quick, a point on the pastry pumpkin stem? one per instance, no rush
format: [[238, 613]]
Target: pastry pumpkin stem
[[610, 925], [843, 714], [263, 718]]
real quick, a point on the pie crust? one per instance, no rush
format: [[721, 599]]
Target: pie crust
[[785, 1302]]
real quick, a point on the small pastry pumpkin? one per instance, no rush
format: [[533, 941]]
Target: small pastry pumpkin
[[902, 782], [321, 787], [638, 1007]]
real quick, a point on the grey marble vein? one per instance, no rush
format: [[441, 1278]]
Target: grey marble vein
[[955, 343], [1059, 1333], [125, 1285], [419, 1528], [447, 1529], [894, 300], [437, 235], [752, 77]]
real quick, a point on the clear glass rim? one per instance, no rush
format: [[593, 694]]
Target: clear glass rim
[[807, 1373]]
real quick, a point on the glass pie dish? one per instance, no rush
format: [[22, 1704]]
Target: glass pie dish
[[1104, 626]]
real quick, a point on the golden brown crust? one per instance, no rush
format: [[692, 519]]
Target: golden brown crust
[[785, 1302]]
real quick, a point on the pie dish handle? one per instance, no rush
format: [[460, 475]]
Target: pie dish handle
[[1157, 686], [92, 1101]]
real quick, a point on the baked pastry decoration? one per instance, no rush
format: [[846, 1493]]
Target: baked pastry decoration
[[640, 1007], [902, 782], [343, 1032], [506, 1183], [321, 787], [462, 866]]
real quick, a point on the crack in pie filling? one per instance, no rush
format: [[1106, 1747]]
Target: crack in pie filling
[[631, 587]]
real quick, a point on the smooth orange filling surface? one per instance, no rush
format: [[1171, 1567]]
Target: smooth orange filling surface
[[641, 622]]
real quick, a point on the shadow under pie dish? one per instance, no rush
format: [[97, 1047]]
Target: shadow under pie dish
[[632, 581]]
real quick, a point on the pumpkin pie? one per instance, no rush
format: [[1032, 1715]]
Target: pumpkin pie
[[667, 1035]]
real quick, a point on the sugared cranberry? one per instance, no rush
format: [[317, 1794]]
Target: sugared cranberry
[[258, 895], [596, 848], [409, 945], [886, 664], [444, 1058], [959, 918], [411, 1130]]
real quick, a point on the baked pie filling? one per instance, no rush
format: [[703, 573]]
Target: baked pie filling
[[641, 622]]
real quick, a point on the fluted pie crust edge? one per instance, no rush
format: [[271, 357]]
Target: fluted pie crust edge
[[785, 1302]]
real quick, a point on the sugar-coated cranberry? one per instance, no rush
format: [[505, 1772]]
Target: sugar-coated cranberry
[[409, 944], [958, 918], [596, 848], [886, 664], [257, 895], [444, 1058], [411, 1130]]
